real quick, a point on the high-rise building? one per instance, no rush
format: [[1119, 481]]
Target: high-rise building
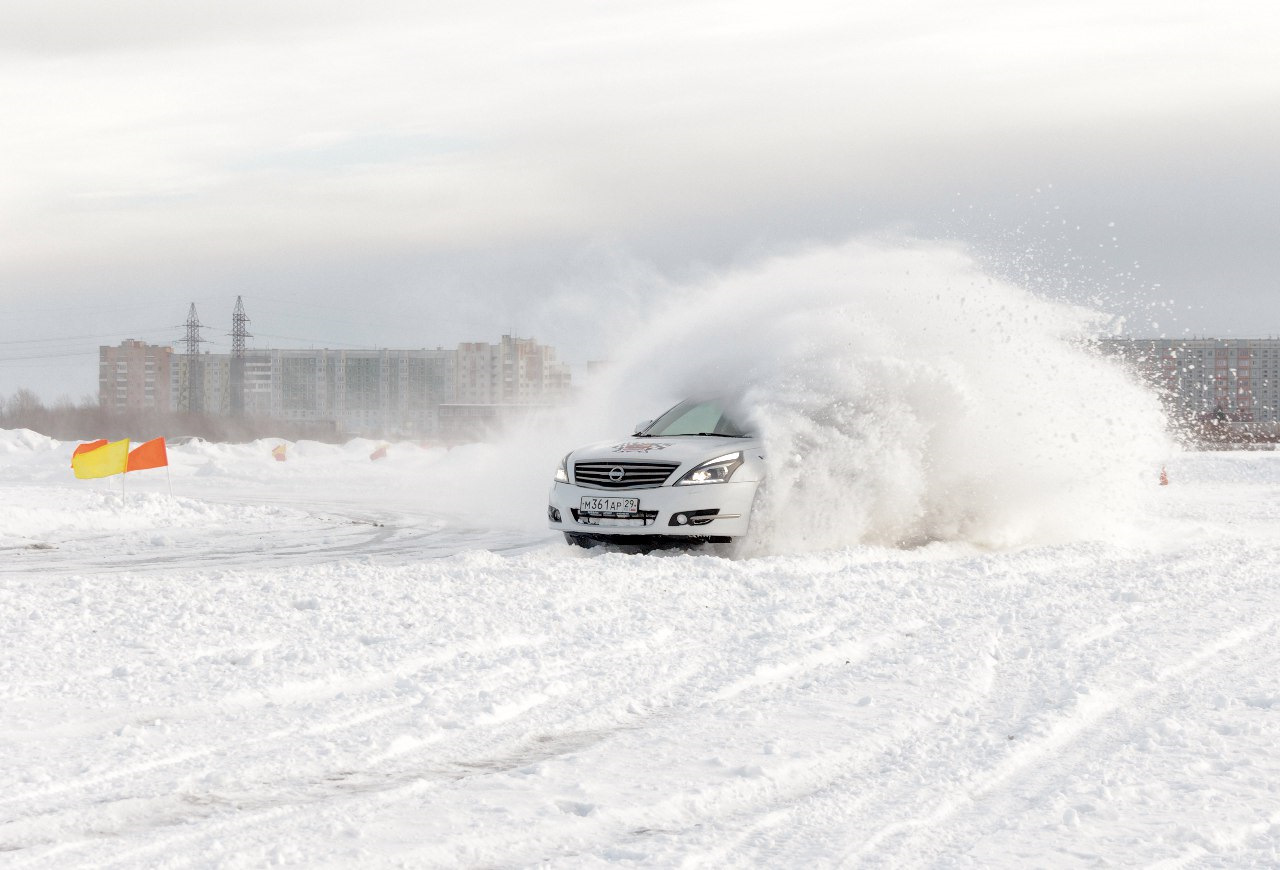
[[515, 371], [498, 384], [1232, 379], [373, 392], [134, 376]]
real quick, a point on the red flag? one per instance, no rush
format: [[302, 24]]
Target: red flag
[[149, 455], [380, 453], [85, 448]]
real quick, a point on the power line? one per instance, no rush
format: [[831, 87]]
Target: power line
[[82, 337], [64, 355]]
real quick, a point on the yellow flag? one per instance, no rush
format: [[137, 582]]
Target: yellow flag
[[105, 461]]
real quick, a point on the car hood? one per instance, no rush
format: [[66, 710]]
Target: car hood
[[682, 449]]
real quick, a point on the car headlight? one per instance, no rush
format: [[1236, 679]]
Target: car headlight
[[562, 473], [717, 470]]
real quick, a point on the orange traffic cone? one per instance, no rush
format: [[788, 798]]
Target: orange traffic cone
[[1164, 477]]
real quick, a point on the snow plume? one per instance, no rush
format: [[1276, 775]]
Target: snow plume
[[904, 397]]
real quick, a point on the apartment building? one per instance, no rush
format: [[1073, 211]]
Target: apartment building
[[134, 376], [381, 393], [515, 371], [455, 394], [1236, 380]]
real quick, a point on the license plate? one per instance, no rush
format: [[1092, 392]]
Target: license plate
[[598, 504]]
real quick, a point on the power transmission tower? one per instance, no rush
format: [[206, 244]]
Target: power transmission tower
[[239, 332], [192, 389]]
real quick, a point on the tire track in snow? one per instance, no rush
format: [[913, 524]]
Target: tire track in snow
[[748, 813], [715, 683], [572, 733], [480, 747], [133, 788], [767, 677], [1243, 656], [848, 801], [335, 532], [892, 840], [493, 741], [713, 698], [767, 674], [326, 688]]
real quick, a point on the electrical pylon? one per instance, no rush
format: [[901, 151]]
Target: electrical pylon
[[239, 332], [192, 396]]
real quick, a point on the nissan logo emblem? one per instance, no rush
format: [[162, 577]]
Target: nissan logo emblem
[[616, 474]]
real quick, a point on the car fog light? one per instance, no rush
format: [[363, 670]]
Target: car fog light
[[681, 519], [553, 514]]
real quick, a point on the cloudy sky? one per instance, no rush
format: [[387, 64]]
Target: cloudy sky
[[410, 174]]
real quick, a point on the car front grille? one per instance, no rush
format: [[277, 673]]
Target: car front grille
[[622, 475]]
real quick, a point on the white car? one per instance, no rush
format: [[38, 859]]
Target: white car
[[689, 476]]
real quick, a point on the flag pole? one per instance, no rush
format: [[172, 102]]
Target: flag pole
[[168, 477]]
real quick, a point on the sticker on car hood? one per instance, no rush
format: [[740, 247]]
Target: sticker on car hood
[[640, 446]]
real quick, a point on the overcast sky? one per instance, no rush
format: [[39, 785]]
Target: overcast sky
[[409, 174]]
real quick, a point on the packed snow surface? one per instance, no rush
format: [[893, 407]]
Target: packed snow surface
[[312, 663]]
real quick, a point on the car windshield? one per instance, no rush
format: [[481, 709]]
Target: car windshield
[[696, 417]]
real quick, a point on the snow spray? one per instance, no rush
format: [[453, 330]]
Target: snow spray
[[904, 397]]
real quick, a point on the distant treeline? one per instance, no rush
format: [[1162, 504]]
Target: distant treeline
[[84, 421]]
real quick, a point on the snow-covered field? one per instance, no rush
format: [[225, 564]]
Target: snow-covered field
[[314, 663]]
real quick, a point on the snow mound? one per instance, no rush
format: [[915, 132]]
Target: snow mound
[[23, 442]]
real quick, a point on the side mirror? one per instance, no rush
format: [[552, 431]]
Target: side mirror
[[641, 426]]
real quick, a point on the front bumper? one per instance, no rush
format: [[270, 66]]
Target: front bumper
[[713, 510]]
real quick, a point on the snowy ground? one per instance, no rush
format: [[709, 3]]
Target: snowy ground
[[303, 664]]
